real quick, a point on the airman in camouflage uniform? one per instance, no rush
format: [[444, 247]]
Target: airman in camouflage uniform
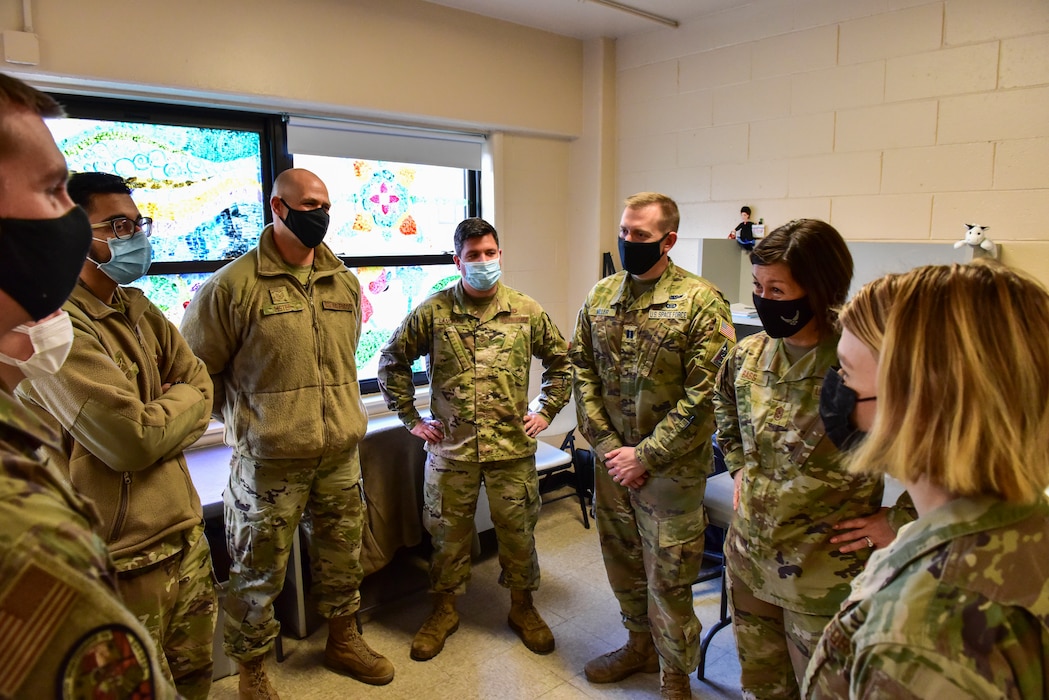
[[794, 488], [278, 330], [480, 336], [65, 631], [786, 577], [646, 347], [948, 610], [129, 398], [58, 592], [957, 605]]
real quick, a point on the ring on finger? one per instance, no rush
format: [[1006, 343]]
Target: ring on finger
[[870, 542]]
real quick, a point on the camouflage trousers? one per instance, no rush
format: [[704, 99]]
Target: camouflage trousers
[[774, 644], [264, 504], [652, 545], [450, 501], [175, 600]]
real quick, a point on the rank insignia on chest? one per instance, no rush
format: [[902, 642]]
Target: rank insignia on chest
[[778, 415], [279, 295]]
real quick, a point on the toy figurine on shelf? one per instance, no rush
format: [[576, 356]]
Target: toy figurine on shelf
[[744, 232], [976, 236]]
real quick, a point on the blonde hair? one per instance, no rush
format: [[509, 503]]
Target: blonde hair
[[670, 218], [962, 382], [867, 312]]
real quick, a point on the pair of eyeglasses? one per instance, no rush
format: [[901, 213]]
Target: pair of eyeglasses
[[124, 227]]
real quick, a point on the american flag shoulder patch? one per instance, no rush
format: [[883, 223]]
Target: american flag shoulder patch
[[32, 607], [728, 330]]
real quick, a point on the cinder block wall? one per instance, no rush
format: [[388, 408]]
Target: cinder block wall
[[894, 120]]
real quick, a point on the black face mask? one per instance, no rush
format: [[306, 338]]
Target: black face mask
[[308, 226], [40, 259], [837, 402], [782, 319], [639, 258]]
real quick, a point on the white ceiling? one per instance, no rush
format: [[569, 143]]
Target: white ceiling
[[583, 19]]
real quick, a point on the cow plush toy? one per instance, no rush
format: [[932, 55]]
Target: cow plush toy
[[976, 236]]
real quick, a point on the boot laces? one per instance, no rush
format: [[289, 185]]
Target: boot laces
[[676, 681], [530, 618], [360, 647], [258, 682], [438, 619]]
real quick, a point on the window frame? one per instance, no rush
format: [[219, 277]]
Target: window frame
[[275, 158]]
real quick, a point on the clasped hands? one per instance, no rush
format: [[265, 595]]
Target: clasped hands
[[625, 469]]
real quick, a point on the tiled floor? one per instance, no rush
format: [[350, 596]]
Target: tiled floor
[[484, 659]]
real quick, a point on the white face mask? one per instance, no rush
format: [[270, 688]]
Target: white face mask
[[51, 341]]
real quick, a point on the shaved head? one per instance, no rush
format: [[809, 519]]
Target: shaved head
[[291, 183]]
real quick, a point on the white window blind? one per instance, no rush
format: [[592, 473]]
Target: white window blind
[[345, 139]]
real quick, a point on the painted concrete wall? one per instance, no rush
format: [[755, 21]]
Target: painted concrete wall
[[894, 120]]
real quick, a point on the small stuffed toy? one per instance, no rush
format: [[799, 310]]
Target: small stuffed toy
[[976, 236]]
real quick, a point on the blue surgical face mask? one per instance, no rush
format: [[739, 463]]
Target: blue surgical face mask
[[482, 276], [130, 258]]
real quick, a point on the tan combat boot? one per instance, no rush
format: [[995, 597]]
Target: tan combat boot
[[254, 685], [348, 653], [675, 685], [638, 655], [440, 625], [525, 621]]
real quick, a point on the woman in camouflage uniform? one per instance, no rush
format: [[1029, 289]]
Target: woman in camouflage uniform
[[957, 606], [788, 571]]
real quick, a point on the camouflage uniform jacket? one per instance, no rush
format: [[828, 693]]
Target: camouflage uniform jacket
[[645, 370], [282, 355], [123, 434], [957, 606], [795, 485], [58, 603], [479, 366]]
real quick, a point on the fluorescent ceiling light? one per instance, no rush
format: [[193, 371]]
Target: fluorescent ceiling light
[[637, 12]]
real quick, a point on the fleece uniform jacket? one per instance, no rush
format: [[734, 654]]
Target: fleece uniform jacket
[[123, 433], [282, 354]]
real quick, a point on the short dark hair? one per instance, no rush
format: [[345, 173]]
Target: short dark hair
[[818, 260], [83, 186], [14, 95], [744, 210], [474, 227]]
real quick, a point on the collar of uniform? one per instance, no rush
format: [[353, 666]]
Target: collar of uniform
[[499, 304], [813, 364], [270, 262], [659, 294], [958, 518], [132, 298]]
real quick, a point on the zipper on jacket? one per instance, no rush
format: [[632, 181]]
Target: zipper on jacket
[[125, 496], [320, 368]]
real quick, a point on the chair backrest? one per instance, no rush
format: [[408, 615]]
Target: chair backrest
[[563, 423]]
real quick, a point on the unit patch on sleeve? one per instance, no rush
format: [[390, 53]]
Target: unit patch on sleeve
[[719, 359], [107, 662]]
